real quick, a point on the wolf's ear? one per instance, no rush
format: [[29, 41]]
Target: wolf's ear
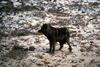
[[46, 25]]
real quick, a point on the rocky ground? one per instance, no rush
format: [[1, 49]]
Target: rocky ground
[[21, 47]]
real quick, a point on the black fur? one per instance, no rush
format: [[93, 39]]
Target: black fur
[[54, 35]]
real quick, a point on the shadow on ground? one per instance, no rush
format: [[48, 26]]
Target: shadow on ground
[[17, 54]]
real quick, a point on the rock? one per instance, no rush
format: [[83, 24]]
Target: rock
[[92, 61], [82, 49], [74, 61], [17, 47], [50, 65], [20, 47], [39, 56], [39, 63], [1, 47], [82, 59], [98, 51], [46, 61], [74, 65], [84, 42], [31, 48], [98, 65]]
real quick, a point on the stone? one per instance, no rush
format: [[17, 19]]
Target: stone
[[31, 48]]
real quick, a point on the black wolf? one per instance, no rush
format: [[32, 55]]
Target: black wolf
[[54, 35]]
